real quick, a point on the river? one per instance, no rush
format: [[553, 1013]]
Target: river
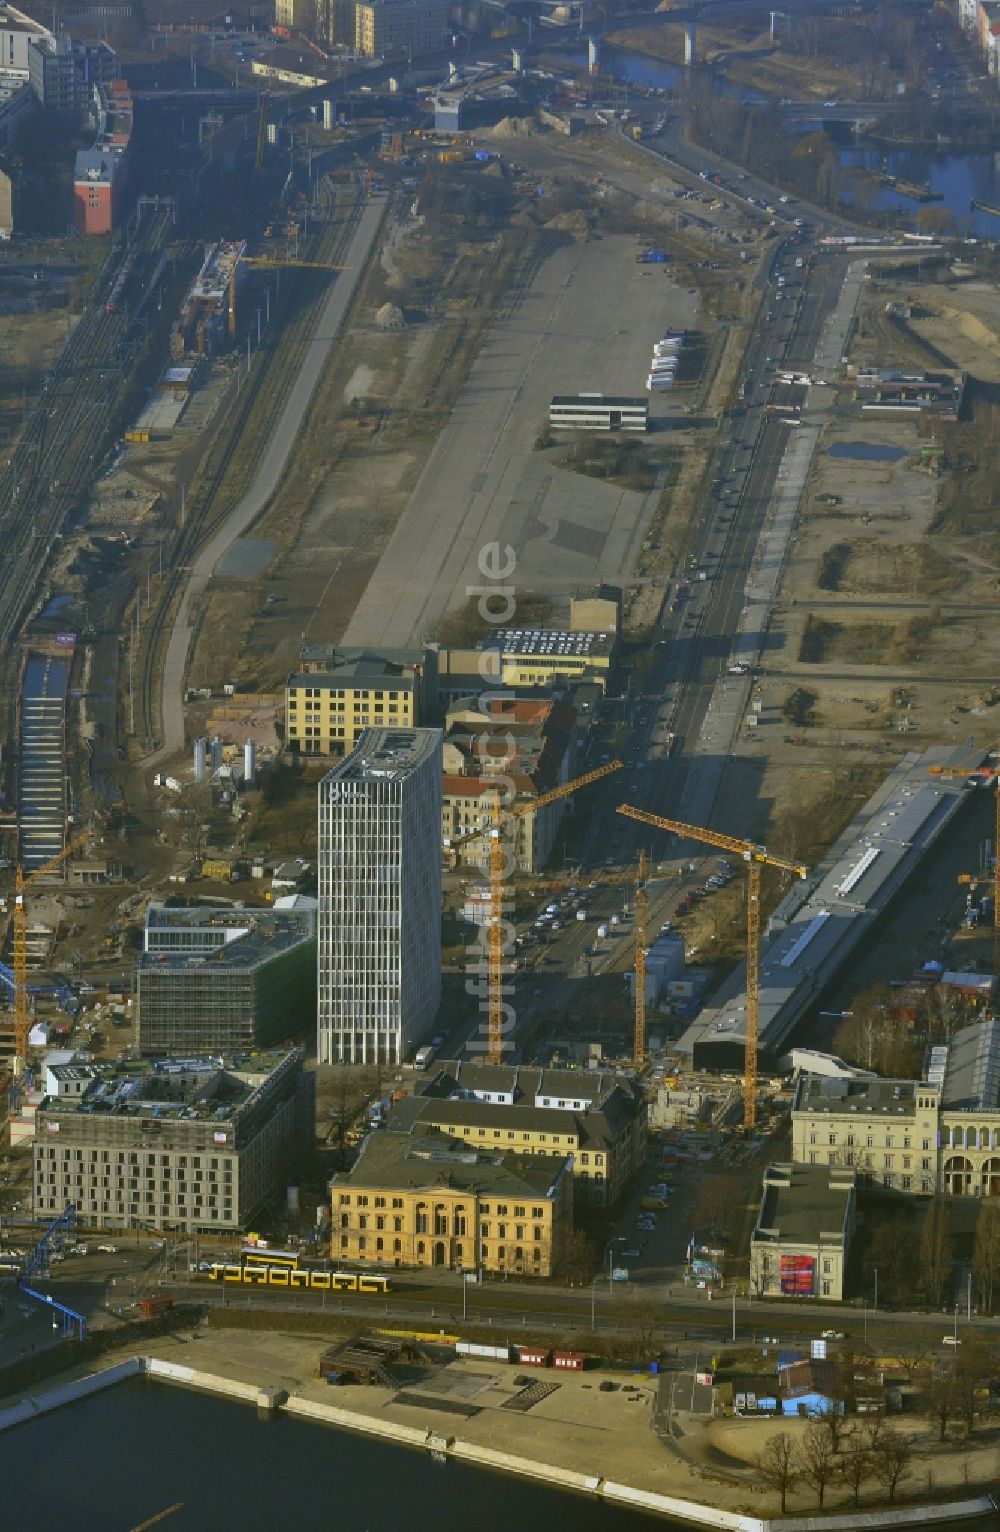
[[144, 1453], [631, 68], [957, 177]]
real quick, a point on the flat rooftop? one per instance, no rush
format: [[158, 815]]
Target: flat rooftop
[[226, 917], [365, 670], [836, 1094], [97, 166], [245, 951], [603, 401], [802, 1202], [201, 1088], [387, 753], [550, 642]]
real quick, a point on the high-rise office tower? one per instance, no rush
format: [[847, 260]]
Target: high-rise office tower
[[379, 931]]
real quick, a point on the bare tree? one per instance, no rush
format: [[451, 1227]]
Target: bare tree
[[942, 1400], [892, 1461], [832, 1419], [874, 1430], [574, 1258], [971, 1373], [777, 1464], [857, 1464], [720, 1200], [817, 1458], [912, 1346], [986, 1255], [935, 1250]]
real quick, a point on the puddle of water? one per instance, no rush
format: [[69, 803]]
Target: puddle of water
[[56, 605], [869, 452]]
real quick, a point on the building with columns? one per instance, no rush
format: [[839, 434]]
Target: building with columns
[[939, 1134]]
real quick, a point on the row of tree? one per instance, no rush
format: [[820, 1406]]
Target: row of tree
[[870, 1451], [917, 1261]]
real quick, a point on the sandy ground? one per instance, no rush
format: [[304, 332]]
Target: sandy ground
[[578, 1427], [908, 648]]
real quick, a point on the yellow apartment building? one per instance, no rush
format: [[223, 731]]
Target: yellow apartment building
[[325, 711], [386, 27], [596, 1119]]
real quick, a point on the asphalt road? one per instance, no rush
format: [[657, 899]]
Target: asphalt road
[[268, 476], [696, 642], [98, 1285]]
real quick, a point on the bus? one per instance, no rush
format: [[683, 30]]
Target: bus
[[257, 1255]]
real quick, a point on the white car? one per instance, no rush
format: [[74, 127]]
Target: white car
[[108, 1249], [833, 1335]]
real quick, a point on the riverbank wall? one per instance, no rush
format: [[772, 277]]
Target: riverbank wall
[[477, 1455]]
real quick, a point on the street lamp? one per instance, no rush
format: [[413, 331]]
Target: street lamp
[[619, 1239]]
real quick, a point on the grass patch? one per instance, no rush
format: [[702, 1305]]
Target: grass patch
[[833, 566], [622, 462], [798, 707], [865, 643], [465, 626], [817, 638], [886, 569]]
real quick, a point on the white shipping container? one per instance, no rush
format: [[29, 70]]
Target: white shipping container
[[493, 1353]]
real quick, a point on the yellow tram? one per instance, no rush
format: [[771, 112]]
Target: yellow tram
[[261, 1273]]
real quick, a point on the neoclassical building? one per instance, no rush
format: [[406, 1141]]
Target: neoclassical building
[[969, 1129], [939, 1134]]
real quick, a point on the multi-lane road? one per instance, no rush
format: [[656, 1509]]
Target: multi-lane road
[[100, 1285], [697, 640]]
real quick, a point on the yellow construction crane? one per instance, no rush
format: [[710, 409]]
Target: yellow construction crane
[[638, 876], [22, 882], [639, 1041], [755, 857], [991, 776], [270, 262], [499, 819], [281, 260]]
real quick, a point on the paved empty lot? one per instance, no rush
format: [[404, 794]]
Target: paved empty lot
[[587, 322]]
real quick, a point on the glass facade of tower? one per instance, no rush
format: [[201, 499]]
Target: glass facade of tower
[[379, 929]]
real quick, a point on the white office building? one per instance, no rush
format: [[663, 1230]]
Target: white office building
[[379, 936]]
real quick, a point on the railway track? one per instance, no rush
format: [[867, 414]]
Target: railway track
[[67, 430], [271, 381]]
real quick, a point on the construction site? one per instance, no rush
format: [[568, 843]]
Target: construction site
[[345, 390]]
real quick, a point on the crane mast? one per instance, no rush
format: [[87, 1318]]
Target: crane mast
[[495, 831], [639, 1039], [22, 882], [755, 858]]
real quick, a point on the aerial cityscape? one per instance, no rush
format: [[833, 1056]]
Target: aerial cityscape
[[500, 763]]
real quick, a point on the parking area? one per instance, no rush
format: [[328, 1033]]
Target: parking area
[[486, 479]]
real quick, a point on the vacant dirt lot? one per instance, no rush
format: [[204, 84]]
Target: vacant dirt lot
[[885, 634]]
